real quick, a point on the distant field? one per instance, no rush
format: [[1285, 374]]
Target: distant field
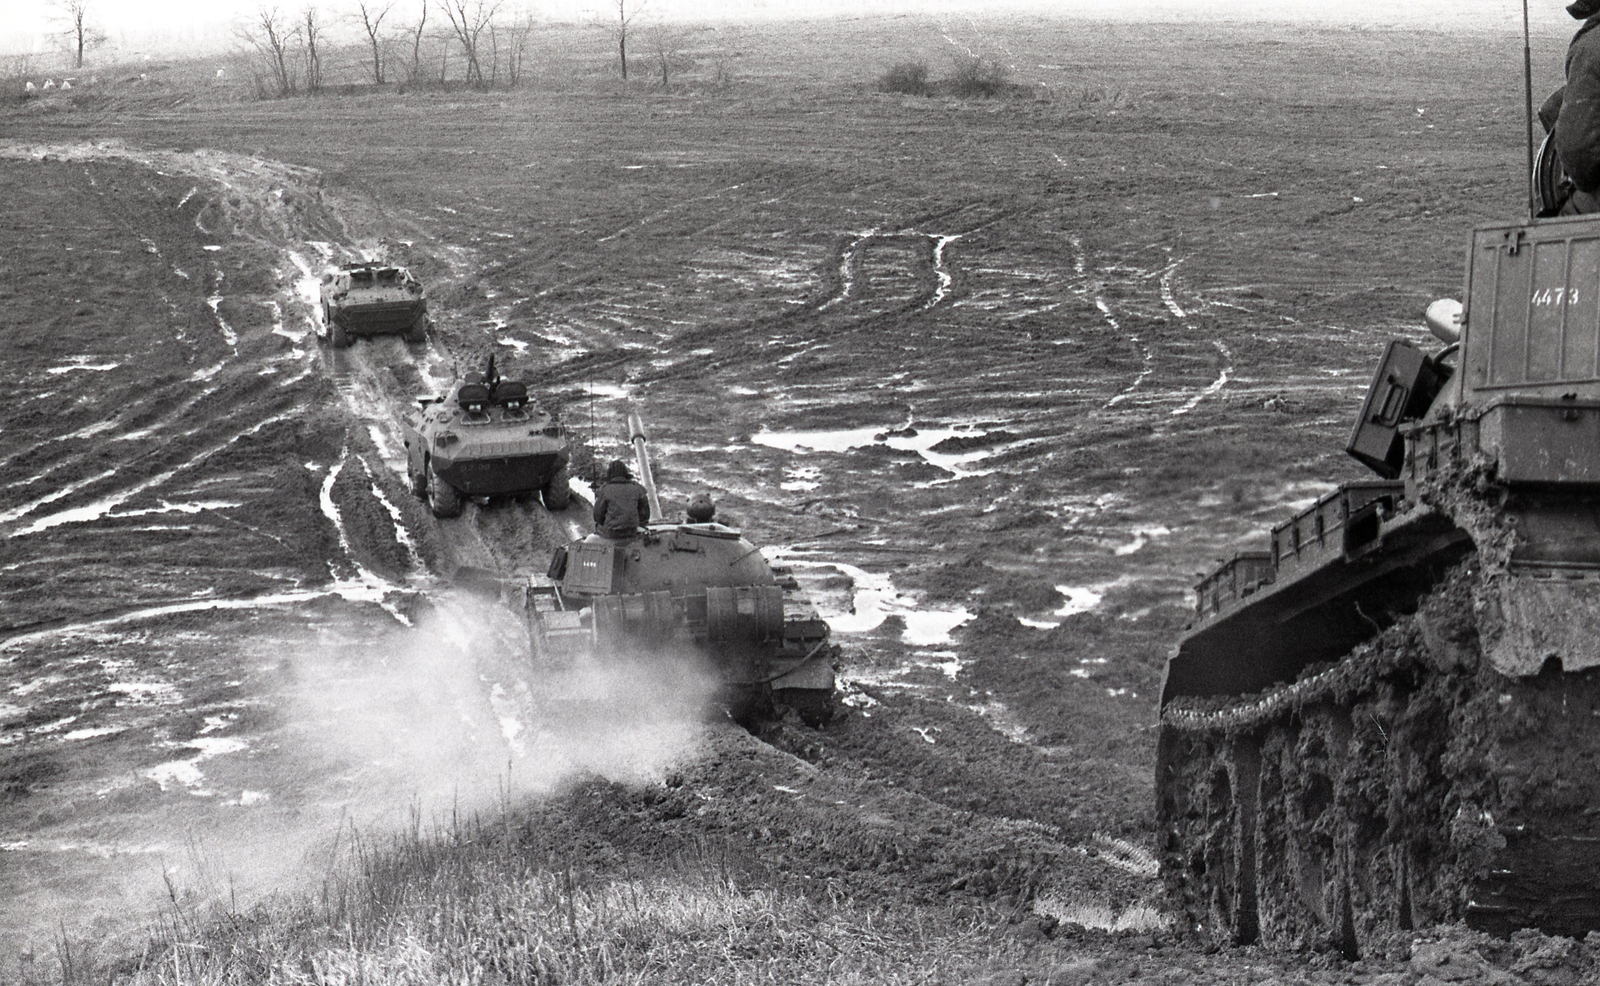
[[998, 376]]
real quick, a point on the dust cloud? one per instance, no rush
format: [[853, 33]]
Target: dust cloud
[[375, 728], [453, 713]]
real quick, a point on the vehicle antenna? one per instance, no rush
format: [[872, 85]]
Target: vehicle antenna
[[1527, 96]]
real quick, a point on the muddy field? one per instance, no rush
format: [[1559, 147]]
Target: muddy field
[[996, 377]]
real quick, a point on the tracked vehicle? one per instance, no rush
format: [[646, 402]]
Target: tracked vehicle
[[485, 438], [373, 299], [696, 589], [1390, 716]]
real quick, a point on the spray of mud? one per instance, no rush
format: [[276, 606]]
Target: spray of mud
[[375, 727]]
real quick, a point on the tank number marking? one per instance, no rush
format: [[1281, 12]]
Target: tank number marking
[[1555, 296]]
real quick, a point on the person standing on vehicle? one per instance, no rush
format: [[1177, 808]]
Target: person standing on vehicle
[[621, 506], [1572, 113]]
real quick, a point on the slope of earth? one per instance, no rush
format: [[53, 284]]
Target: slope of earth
[[995, 377]]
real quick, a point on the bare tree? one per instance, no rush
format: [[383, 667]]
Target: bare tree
[[79, 35], [416, 34], [468, 19], [518, 34], [664, 44], [269, 35], [627, 10], [372, 15], [310, 36]]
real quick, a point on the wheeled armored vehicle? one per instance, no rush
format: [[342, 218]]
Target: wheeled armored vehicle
[[369, 299], [1389, 717], [485, 438], [697, 589]]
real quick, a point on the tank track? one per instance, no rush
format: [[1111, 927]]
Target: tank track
[[1406, 785]]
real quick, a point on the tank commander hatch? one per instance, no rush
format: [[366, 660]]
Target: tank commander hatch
[[1572, 113], [621, 506]]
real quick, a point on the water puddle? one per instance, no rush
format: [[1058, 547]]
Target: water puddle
[[874, 599], [100, 508], [1141, 537], [945, 279], [77, 364], [185, 773], [906, 438], [367, 585]]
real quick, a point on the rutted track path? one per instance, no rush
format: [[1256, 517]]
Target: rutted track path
[[198, 496]]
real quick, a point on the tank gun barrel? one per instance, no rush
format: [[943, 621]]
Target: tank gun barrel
[[647, 477]]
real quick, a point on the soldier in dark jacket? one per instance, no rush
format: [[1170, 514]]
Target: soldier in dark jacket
[[622, 506], [1573, 112]]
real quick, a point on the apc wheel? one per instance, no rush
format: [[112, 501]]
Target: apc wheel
[[444, 499], [417, 332], [419, 483], [558, 492]]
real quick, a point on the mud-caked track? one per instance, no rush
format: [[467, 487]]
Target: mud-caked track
[[1408, 786]]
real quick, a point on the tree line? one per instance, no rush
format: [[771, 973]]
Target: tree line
[[487, 40], [483, 43]]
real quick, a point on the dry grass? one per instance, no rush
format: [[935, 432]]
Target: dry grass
[[468, 903]]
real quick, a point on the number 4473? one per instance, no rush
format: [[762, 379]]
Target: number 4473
[[1555, 296]]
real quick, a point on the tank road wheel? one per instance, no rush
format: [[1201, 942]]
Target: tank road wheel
[[444, 499], [417, 331], [338, 337], [814, 706], [748, 705], [558, 491]]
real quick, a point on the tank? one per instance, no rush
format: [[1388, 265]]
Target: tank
[[697, 588], [485, 438], [373, 299], [1389, 716]]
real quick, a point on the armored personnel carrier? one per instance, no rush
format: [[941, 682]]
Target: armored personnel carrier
[[373, 299], [485, 438], [696, 588], [1390, 716]]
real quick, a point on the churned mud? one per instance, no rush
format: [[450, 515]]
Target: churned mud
[[995, 401]]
